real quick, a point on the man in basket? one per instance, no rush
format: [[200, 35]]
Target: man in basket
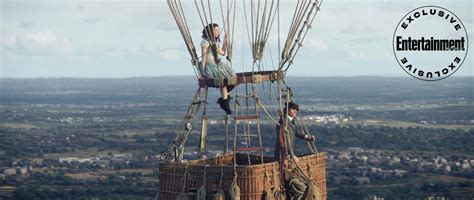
[[286, 127]]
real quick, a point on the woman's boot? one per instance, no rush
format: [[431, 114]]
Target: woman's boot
[[225, 105]]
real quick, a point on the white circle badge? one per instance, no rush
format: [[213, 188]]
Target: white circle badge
[[430, 43]]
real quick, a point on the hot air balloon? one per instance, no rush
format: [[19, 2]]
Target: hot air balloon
[[261, 43]]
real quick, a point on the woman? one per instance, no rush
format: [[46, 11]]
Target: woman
[[212, 67]]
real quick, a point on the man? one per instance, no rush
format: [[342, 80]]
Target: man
[[290, 132]]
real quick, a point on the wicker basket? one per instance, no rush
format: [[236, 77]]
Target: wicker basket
[[253, 178]]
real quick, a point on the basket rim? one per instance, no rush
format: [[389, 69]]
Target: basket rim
[[199, 163]]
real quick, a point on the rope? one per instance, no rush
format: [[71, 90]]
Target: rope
[[262, 21], [270, 21], [297, 188], [307, 25], [302, 125], [180, 140], [313, 191], [289, 37], [201, 192], [297, 43], [220, 193], [202, 142], [305, 130], [289, 146], [231, 44], [210, 11], [310, 172], [281, 158], [255, 103], [266, 112], [246, 124], [226, 147], [234, 190], [262, 17], [269, 192], [205, 22], [226, 26], [184, 182], [189, 131], [221, 178], [277, 191], [180, 19], [298, 183]]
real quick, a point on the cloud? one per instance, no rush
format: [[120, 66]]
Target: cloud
[[170, 54], [395, 7], [357, 29], [366, 39], [37, 43], [80, 7], [166, 26], [94, 20], [8, 42], [316, 44], [360, 55], [27, 25]]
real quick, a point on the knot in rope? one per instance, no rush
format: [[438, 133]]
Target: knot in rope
[[234, 190]]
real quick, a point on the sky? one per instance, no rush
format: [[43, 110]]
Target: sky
[[137, 38]]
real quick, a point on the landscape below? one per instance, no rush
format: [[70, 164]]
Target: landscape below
[[389, 137]]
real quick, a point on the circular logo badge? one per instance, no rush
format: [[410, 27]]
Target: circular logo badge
[[430, 43]]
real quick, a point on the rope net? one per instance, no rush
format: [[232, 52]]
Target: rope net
[[261, 92], [254, 21]]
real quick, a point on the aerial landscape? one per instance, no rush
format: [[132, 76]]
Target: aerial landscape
[[239, 100], [385, 137]]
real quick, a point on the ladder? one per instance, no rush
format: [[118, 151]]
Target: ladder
[[243, 117]]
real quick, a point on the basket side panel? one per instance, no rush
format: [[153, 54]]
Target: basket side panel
[[170, 177]]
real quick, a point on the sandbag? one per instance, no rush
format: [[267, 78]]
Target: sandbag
[[182, 196], [201, 193], [234, 191], [219, 195]]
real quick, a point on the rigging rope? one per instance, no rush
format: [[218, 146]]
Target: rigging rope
[[258, 29], [302, 124], [178, 15], [220, 193], [305, 28], [291, 43], [184, 182], [262, 18], [180, 140], [201, 192]]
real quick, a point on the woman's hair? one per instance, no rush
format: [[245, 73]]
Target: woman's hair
[[208, 32]]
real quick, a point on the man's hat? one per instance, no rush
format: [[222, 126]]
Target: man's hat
[[293, 105]]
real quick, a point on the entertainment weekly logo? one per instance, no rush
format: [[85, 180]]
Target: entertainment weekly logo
[[430, 43]]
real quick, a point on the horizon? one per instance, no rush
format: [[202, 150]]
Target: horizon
[[291, 76]]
